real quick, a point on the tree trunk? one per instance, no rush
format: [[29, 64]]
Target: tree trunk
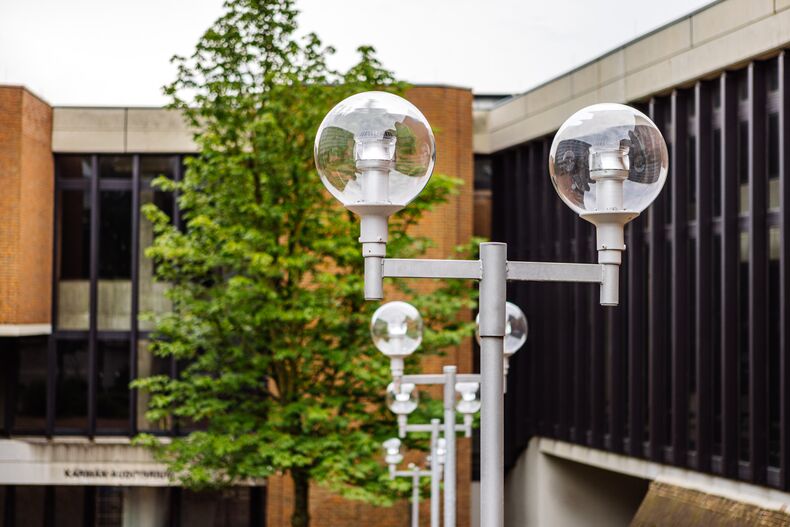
[[301, 514]]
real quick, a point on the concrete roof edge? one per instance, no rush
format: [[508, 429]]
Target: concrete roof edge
[[612, 51]]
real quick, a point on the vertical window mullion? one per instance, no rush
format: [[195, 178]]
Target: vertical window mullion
[[758, 271], [51, 346], [94, 290], [135, 254], [784, 265]]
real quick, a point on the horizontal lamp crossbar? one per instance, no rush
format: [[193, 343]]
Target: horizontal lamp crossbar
[[414, 268], [438, 378], [412, 473], [555, 272]]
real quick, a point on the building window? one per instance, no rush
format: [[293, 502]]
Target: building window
[[112, 393], [69, 508], [105, 283], [30, 385], [74, 257], [71, 386], [226, 508]]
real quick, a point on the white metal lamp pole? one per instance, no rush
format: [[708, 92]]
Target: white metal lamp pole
[[415, 474], [437, 460], [375, 152]]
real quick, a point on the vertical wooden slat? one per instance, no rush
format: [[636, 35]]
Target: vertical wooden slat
[[580, 340], [784, 268], [532, 253], [564, 383], [758, 274], [680, 283], [617, 385], [637, 349], [702, 259], [729, 274], [520, 365], [657, 323], [597, 359], [548, 313]]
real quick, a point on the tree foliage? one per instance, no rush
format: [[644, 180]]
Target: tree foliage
[[278, 373]]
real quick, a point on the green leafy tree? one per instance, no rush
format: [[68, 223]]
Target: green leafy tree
[[278, 374]]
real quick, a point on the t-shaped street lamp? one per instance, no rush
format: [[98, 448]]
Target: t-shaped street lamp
[[375, 152]]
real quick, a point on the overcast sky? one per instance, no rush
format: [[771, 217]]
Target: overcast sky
[[116, 52]]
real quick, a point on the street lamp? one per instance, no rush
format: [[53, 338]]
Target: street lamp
[[396, 329], [469, 403], [375, 153], [436, 460], [402, 399], [392, 455], [608, 162]]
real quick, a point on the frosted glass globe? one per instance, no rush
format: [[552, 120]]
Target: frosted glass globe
[[516, 328], [603, 140], [375, 148], [396, 329], [469, 403], [402, 401]]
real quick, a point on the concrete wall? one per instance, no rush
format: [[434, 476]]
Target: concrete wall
[[26, 208], [120, 130], [543, 490], [724, 35], [555, 484]]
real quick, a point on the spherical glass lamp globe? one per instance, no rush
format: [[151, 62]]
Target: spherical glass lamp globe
[[403, 399], [396, 329], [516, 328], [375, 148], [608, 158], [469, 403], [392, 455]]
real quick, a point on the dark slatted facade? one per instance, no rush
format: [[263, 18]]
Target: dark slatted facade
[[692, 369]]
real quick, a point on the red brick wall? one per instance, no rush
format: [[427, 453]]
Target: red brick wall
[[26, 207], [449, 110]]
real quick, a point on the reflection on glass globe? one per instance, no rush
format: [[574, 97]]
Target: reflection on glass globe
[[396, 329], [608, 158], [403, 401], [375, 147], [469, 403], [515, 329]]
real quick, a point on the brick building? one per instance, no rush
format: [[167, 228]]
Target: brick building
[[72, 283]]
